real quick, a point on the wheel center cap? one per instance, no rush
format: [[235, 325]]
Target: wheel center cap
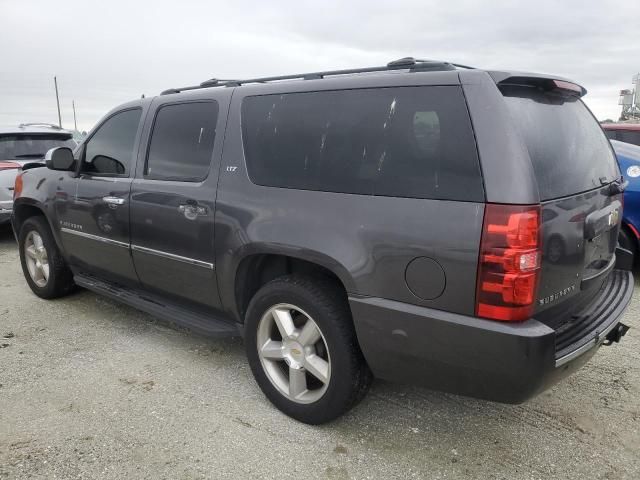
[[293, 354]]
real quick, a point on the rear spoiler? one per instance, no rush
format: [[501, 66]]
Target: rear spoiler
[[536, 80]]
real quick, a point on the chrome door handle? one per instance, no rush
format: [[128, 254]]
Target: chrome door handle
[[192, 211], [113, 200]]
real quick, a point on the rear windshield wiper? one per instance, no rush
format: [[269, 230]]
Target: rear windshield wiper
[[30, 155], [617, 186]]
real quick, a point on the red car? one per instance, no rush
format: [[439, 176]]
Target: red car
[[623, 132]]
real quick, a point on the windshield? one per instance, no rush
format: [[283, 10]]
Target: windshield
[[22, 147], [569, 151]]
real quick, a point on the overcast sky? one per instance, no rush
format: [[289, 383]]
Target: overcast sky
[[105, 53]]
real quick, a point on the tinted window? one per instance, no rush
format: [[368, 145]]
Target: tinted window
[[611, 134], [182, 141], [406, 142], [628, 136], [110, 150], [25, 146], [569, 151]]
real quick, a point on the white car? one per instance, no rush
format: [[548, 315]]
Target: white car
[[24, 144]]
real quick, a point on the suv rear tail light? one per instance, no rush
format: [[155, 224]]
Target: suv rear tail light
[[9, 166], [509, 263], [17, 186]]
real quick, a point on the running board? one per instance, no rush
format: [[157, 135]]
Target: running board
[[207, 325]]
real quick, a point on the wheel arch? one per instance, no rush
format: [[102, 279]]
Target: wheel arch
[[25, 208], [261, 264]]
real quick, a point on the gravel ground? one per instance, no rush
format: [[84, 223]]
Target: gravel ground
[[93, 389]]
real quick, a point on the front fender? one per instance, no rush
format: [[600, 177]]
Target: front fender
[[38, 196]]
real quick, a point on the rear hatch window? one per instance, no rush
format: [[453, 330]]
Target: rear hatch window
[[569, 151], [31, 146], [574, 164]]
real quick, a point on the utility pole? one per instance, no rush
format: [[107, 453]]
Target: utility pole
[[55, 82], [75, 124]]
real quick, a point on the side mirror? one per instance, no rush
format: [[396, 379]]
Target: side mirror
[[60, 158]]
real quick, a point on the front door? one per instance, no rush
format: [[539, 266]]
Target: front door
[[173, 202], [95, 222]]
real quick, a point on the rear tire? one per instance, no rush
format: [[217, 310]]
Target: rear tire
[[42, 263], [314, 371]]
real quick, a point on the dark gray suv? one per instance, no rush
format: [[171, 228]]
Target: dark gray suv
[[419, 222]]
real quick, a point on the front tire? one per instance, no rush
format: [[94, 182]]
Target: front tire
[[42, 263], [302, 348]]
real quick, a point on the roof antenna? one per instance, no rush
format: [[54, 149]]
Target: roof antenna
[[55, 82]]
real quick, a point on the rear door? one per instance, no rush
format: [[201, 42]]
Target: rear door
[[173, 199], [575, 166]]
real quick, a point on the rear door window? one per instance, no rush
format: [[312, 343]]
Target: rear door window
[[569, 151], [405, 142], [182, 141]]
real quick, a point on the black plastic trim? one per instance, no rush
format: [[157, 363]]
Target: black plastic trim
[[198, 323], [500, 361], [589, 327]]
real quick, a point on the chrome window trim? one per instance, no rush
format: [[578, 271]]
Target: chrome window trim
[[97, 238], [173, 256]]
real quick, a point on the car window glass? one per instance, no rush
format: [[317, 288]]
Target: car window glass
[[568, 150], [629, 136], [25, 146], [426, 128], [110, 150], [405, 142], [182, 141]]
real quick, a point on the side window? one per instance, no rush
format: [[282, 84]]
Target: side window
[[110, 150], [402, 142], [182, 142], [611, 134]]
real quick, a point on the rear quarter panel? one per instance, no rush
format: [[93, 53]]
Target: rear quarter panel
[[7, 179], [367, 241]]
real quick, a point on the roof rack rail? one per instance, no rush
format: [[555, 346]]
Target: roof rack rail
[[40, 124], [406, 63]]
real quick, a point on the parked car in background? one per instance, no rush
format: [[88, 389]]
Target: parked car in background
[[21, 145], [629, 161], [388, 221], [623, 132]]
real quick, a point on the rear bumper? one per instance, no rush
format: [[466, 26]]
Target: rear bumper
[[481, 358]]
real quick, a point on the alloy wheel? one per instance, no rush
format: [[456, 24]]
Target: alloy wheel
[[36, 258], [294, 353]]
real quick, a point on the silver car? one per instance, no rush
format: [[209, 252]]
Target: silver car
[[24, 144]]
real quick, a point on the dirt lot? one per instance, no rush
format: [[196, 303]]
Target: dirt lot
[[93, 389]]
